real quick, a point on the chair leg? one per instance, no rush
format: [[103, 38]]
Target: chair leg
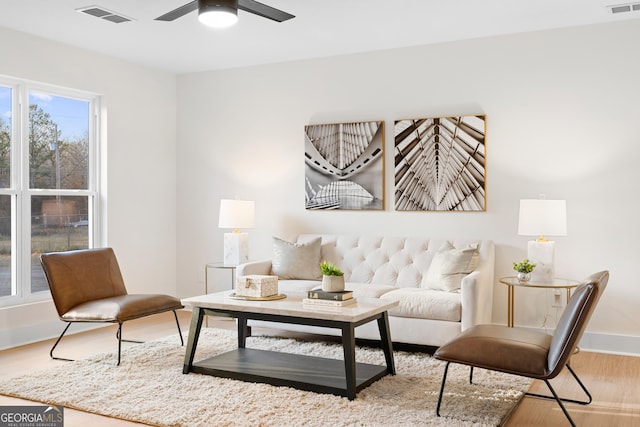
[[179, 331], [555, 395], [471, 375], [584, 388], [56, 344], [560, 399], [121, 340], [444, 379], [119, 335]]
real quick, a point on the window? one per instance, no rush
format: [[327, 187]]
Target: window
[[48, 182]]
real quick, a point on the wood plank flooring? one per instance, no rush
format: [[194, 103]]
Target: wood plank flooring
[[614, 381]]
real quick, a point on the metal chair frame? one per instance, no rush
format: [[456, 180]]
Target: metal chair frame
[[118, 336], [542, 396]]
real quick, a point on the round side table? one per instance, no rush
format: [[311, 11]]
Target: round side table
[[512, 282]]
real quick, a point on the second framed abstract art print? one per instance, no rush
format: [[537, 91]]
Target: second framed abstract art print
[[440, 164]]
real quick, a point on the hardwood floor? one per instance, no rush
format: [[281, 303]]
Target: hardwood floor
[[614, 381]]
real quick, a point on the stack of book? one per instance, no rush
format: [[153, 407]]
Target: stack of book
[[318, 297]]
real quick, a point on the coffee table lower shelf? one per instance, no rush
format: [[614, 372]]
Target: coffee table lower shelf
[[310, 373]]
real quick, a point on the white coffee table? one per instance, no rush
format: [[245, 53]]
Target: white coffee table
[[321, 375]]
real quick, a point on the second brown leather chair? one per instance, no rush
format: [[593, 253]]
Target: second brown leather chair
[[527, 353], [87, 286]]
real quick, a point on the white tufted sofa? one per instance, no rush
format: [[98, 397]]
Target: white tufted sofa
[[395, 268]]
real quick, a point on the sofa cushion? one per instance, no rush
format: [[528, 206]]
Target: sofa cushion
[[425, 304], [450, 265], [368, 290], [394, 261], [296, 260]]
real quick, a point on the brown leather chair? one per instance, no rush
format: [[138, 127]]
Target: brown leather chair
[[87, 286], [527, 353]]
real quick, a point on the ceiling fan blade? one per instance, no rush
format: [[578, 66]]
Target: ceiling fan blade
[[263, 10], [250, 6], [179, 12]]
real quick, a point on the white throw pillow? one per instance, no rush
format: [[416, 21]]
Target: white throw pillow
[[296, 260], [450, 265]]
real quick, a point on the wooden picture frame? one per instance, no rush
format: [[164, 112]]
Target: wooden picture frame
[[440, 164], [344, 166]]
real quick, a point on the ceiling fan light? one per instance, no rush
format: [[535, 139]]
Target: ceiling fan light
[[218, 19], [218, 13]]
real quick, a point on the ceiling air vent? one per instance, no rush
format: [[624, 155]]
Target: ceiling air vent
[[622, 8], [102, 13]]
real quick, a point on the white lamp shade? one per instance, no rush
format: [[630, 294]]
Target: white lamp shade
[[541, 217], [236, 214]]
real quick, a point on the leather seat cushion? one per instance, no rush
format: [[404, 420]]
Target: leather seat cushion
[[425, 304], [121, 308], [512, 350]]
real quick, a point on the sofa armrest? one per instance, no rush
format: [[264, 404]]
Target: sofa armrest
[[477, 290], [254, 267], [477, 300]]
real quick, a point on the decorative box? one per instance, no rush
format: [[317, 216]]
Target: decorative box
[[256, 285]]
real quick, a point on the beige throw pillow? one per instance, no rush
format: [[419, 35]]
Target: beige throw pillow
[[296, 260], [450, 265]]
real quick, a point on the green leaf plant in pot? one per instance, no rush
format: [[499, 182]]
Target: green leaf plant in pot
[[524, 269], [332, 277]]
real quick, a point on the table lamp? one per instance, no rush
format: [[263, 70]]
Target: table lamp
[[541, 217], [236, 214]]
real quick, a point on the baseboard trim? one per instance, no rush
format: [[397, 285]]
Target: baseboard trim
[[624, 345], [24, 335]]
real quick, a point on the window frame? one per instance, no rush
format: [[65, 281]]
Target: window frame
[[21, 194]]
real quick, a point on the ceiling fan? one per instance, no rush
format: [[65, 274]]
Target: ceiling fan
[[221, 13]]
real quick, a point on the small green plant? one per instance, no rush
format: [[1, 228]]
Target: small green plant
[[523, 266], [330, 269]]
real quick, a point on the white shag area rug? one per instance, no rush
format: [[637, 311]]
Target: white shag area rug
[[149, 387]]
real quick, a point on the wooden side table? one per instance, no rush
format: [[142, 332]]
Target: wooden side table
[[512, 282]]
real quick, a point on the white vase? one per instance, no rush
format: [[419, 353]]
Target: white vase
[[333, 283], [524, 277]]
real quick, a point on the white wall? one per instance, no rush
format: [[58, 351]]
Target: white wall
[[140, 109], [563, 118]]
